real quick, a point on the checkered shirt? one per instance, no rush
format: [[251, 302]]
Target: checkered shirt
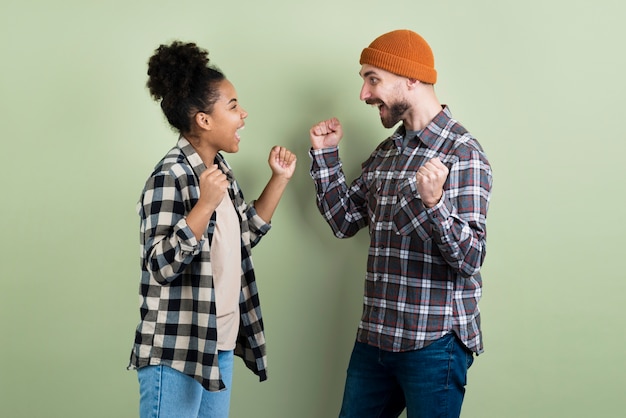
[[423, 268], [177, 300]]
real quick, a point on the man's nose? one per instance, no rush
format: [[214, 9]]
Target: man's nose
[[365, 93]]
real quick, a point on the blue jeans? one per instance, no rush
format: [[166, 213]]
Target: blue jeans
[[165, 392], [429, 382]]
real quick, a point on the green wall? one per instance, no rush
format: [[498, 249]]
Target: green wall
[[540, 83]]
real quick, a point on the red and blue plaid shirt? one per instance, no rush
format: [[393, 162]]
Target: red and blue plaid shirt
[[423, 270]]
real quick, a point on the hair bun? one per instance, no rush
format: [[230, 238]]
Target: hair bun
[[180, 78], [176, 69]]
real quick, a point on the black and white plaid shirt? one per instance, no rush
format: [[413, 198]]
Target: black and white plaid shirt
[[423, 270], [177, 301]]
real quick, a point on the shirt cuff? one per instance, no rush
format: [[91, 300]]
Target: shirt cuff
[[255, 221], [325, 157], [186, 238], [439, 213]]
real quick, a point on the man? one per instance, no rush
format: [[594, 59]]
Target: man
[[423, 194]]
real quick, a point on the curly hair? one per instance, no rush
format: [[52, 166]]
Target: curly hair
[[179, 75]]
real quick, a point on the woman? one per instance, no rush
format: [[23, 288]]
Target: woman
[[198, 298]]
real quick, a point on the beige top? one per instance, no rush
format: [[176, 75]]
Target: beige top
[[226, 265]]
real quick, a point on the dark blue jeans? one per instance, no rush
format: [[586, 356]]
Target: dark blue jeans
[[429, 382]]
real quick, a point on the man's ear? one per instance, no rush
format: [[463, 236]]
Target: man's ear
[[204, 121], [412, 83]]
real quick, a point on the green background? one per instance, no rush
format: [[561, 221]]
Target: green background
[[540, 83]]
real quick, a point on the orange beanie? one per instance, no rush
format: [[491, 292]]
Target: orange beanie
[[404, 53]]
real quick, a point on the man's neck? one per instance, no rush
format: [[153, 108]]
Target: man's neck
[[425, 107]]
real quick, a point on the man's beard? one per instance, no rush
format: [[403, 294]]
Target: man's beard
[[396, 112]]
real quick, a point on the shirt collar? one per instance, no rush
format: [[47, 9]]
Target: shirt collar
[[195, 160], [192, 156], [431, 134]]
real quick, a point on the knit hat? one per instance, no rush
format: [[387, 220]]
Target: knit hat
[[404, 53]]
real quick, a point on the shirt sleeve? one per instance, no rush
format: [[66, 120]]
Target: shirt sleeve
[[458, 221], [168, 244], [257, 227], [343, 207]]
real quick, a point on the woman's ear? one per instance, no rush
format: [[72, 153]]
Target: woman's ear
[[204, 121]]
